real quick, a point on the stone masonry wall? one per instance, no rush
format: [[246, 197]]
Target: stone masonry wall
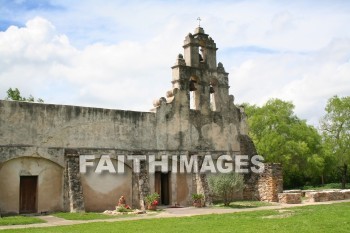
[[74, 187], [202, 184], [251, 179], [270, 182], [327, 195], [142, 180]]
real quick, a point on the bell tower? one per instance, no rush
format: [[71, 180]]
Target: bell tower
[[200, 49], [198, 74]]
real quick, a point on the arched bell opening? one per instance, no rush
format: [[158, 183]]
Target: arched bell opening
[[213, 92], [194, 92]]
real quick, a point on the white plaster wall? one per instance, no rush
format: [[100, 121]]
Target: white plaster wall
[[102, 191], [50, 183]]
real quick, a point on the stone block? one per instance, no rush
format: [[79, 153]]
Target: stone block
[[312, 196], [335, 195], [289, 198], [330, 195], [346, 193]]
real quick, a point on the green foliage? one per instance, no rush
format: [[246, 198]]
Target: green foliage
[[280, 136], [123, 209], [224, 186], [326, 186], [335, 127], [149, 199], [15, 94], [197, 196]]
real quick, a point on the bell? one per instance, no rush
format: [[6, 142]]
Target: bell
[[200, 58], [192, 86], [211, 89]]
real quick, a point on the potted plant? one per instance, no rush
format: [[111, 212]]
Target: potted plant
[[152, 201], [197, 200]]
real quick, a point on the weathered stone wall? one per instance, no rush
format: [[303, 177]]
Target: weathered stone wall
[[202, 186], [270, 182], [60, 126], [143, 186], [74, 184], [251, 179], [172, 128]]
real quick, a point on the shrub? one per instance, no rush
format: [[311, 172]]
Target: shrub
[[224, 186], [197, 196], [124, 209], [152, 199]]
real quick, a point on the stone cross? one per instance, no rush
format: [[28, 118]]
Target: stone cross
[[199, 21]]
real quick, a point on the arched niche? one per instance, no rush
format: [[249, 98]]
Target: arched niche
[[102, 191], [49, 183]]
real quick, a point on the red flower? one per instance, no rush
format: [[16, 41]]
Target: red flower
[[155, 202]]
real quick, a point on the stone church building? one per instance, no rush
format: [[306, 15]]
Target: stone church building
[[40, 144]]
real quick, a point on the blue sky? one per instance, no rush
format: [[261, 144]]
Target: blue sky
[[118, 54]]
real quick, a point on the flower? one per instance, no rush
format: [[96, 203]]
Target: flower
[[152, 199], [155, 202]]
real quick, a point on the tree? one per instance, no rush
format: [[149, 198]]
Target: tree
[[15, 94], [335, 127], [225, 185], [280, 136]]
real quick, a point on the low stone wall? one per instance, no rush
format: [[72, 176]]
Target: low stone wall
[[328, 195], [294, 196], [346, 193], [289, 198]]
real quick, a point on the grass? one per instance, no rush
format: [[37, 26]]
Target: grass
[[318, 218], [326, 186], [88, 216], [243, 204], [93, 215], [19, 220]]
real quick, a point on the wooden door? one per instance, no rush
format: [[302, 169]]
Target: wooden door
[[157, 182], [165, 197], [162, 187], [28, 194]]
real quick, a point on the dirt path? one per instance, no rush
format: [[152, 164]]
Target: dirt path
[[167, 213]]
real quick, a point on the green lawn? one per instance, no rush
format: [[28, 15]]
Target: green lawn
[[243, 204], [320, 218], [88, 216], [93, 215], [19, 220]]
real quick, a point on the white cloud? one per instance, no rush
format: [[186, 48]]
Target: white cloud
[[306, 79], [127, 75]]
